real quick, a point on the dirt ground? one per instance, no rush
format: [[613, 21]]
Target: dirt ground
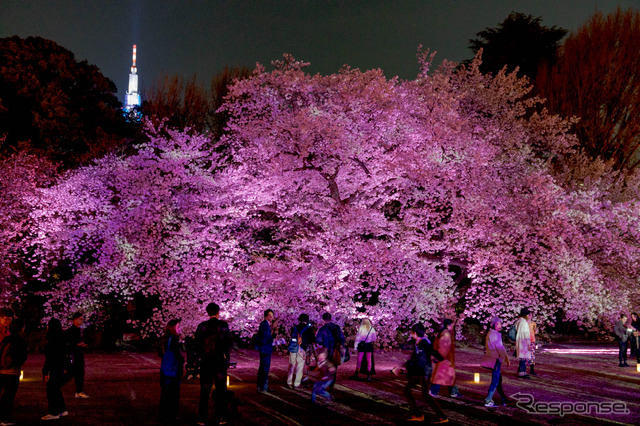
[[124, 390]]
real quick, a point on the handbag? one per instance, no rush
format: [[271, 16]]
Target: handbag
[[361, 345], [169, 366]]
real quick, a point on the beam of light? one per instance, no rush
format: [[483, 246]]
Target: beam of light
[[581, 351]]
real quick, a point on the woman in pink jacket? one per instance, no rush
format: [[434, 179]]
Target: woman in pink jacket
[[444, 373]]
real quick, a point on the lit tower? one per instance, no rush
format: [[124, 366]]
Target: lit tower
[[132, 98]]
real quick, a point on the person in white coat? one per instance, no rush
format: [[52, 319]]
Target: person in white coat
[[523, 343], [365, 338]]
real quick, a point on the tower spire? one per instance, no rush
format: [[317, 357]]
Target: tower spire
[[132, 97]]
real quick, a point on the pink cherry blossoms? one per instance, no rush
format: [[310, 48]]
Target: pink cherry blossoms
[[354, 194]]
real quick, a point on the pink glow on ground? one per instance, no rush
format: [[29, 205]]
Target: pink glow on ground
[[582, 351]]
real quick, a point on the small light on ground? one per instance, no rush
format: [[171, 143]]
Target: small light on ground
[[638, 368], [227, 381], [476, 377], [22, 374]]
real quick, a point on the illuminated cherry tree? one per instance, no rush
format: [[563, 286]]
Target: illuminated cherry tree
[[354, 194], [22, 175]]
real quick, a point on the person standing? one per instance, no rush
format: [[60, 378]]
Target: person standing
[[55, 353], [299, 341], [418, 369], [13, 354], [494, 356], [365, 338], [523, 343], [533, 330], [622, 336], [444, 372], [635, 336], [331, 338], [171, 370], [77, 346], [265, 348], [213, 344]]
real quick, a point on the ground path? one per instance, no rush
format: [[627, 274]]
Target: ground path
[[124, 390]]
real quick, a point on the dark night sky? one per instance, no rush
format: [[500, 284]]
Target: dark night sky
[[201, 37]]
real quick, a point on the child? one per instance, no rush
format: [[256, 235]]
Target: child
[[327, 371]]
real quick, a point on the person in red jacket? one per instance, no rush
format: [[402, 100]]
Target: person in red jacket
[[6, 316], [13, 353], [418, 369]]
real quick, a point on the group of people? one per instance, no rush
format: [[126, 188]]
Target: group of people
[[431, 364], [212, 344], [327, 344], [628, 336], [64, 360]]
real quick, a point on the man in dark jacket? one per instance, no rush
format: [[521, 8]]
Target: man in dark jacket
[[264, 345], [330, 337], [418, 370], [622, 336], [212, 345], [73, 336]]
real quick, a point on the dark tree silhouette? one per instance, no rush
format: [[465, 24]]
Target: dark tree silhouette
[[55, 105], [519, 41], [596, 79], [183, 103]]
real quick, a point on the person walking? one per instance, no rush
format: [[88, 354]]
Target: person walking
[[418, 370], [326, 371], [55, 352], [13, 354], [331, 338], [212, 345], [299, 341], [494, 356], [74, 338], [622, 336], [171, 370], [523, 343], [265, 348], [444, 372], [365, 338]]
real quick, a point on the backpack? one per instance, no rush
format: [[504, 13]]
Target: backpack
[[296, 339], [511, 334]]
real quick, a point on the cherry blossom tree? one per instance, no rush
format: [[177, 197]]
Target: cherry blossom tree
[[22, 175], [349, 193]]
